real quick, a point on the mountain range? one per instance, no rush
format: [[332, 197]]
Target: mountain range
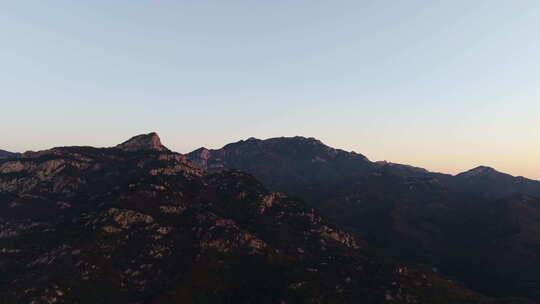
[[285, 220], [479, 227]]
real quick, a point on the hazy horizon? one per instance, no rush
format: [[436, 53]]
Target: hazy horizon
[[164, 142], [446, 86]]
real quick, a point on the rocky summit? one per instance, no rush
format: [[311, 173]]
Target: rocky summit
[[138, 223], [143, 142]]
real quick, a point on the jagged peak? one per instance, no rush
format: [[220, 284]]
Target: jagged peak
[[143, 142]]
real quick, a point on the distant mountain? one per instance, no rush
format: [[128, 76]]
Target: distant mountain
[[301, 166], [140, 224], [6, 154], [495, 184], [298, 165], [480, 227]]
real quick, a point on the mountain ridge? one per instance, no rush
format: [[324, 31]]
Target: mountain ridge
[[7, 154], [409, 212], [315, 140], [139, 225]]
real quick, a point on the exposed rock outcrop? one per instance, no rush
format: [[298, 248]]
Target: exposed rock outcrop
[[150, 141]]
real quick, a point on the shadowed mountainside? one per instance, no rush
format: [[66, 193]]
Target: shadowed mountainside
[[481, 227], [6, 154], [140, 224]]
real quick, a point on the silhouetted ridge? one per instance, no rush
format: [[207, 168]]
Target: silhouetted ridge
[[7, 154], [480, 170]]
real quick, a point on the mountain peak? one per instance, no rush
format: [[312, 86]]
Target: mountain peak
[[480, 170], [143, 142]]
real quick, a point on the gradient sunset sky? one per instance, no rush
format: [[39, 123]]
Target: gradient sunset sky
[[445, 85]]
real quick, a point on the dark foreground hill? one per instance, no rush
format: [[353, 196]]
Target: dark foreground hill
[[140, 224], [481, 227]]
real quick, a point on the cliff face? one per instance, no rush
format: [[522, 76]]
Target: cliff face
[[143, 225]]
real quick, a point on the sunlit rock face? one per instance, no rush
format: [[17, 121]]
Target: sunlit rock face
[[143, 142], [138, 223]]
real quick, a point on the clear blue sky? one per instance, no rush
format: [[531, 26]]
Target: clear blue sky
[[445, 85]]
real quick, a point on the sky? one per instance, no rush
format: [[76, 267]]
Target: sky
[[444, 85]]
